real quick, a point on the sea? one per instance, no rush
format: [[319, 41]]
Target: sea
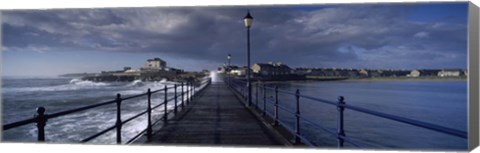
[[22, 95], [442, 103]]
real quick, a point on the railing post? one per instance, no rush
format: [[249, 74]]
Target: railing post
[[165, 113], [297, 118], [276, 106], [149, 112], [118, 123], [175, 91], [256, 94], [264, 100], [193, 89], [183, 105], [190, 92], [340, 130], [186, 88], [41, 120]]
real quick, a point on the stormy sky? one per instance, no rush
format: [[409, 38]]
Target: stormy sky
[[384, 36]]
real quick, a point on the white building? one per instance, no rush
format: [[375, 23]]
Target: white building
[[449, 73], [238, 72], [414, 73], [155, 63]]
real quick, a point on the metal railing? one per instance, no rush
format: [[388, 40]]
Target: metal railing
[[339, 133], [186, 96]]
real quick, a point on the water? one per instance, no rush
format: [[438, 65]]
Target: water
[[438, 102], [21, 96]]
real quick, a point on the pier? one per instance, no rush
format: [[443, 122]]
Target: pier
[[218, 113], [217, 117]]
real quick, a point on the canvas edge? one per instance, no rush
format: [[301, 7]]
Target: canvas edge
[[1, 75], [473, 78]]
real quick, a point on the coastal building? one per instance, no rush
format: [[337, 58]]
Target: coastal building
[[395, 73], [221, 70], [133, 72], [363, 73], [414, 73], [155, 63], [262, 69], [173, 70], [302, 71], [271, 69], [430, 72], [238, 71], [450, 73], [375, 73], [352, 73], [228, 69]]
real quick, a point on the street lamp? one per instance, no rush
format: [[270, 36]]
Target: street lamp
[[248, 23], [230, 69], [229, 57]]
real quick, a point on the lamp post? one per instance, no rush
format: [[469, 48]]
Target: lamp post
[[248, 23], [228, 74], [229, 57]]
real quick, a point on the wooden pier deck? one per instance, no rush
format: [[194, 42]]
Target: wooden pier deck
[[217, 117]]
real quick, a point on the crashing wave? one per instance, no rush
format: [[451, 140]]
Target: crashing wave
[[80, 82], [74, 84], [136, 83]]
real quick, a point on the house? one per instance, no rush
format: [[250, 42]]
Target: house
[[221, 70], [228, 69], [352, 73], [375, 73], [395, 73], [271, 69], [262, 69], [363, 73], [430, 72], [414, 73], [174, 70], [239, 71], [302, 71], [155, 63], [449, 73], [133, 71]]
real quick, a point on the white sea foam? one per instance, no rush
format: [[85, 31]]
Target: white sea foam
[[87, 83], [74, 84], [136, 83], [132, 92]]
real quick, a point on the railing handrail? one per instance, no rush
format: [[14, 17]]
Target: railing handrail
[[53, 115], [438, 128], [189, 86], [425, 125], [74, 110]]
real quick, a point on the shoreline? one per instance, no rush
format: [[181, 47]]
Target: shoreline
[[382, 79], [411, 79]]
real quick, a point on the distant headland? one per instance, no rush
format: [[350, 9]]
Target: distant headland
[[154, 70]]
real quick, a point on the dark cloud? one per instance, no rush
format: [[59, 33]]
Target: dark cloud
[[372, 36]]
